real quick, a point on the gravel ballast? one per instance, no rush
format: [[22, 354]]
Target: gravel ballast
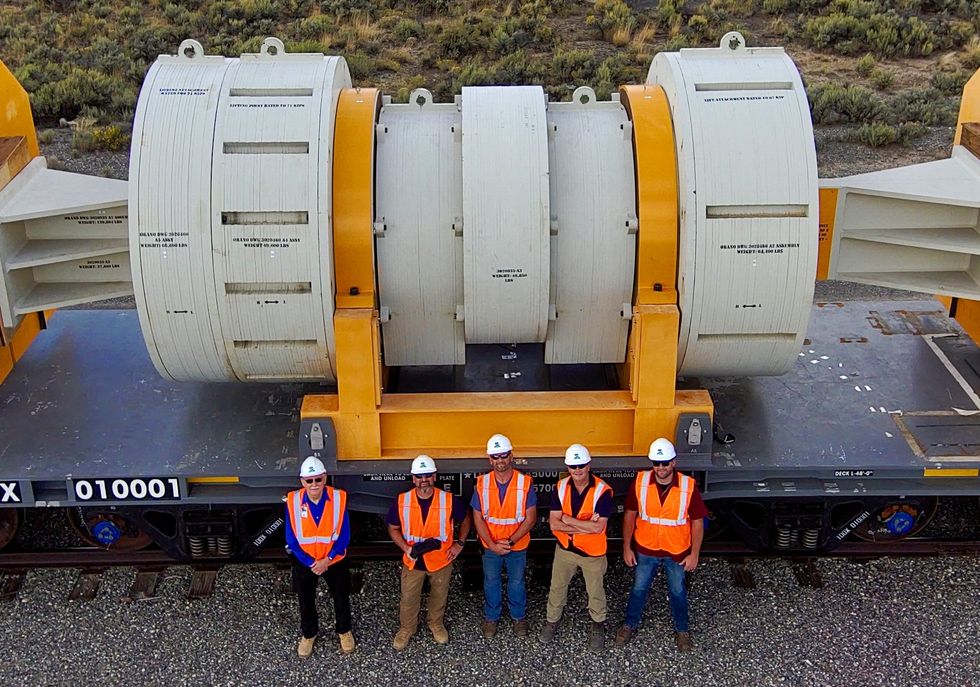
[[885, 622]]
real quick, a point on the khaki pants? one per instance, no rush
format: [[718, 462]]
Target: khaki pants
[[411, 601], [563, 569]]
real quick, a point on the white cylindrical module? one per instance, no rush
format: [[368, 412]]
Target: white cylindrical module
[[419, 220], [748, 202], [230, 214], [594, 223], [506, 214]]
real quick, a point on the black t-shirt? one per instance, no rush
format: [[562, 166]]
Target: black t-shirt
[[458, 511], [604, 507]]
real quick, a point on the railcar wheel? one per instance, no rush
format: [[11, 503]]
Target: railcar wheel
[[108, 530], [9, 523], [895, 519]]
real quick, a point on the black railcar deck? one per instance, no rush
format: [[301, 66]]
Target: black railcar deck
[[883, 395]]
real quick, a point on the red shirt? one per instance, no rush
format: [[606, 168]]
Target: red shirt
[[696, 510]]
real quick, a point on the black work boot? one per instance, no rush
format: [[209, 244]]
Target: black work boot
[[548, 631]]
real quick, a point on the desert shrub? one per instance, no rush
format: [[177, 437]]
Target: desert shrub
[[876, 134], [834, 104], [407, 28], [882, 79], [924, 105], [361, 66], [45, 136], [464, 39], [775, 6], [950, 83], [572, 66], [610, 17], [909, 131], [865, 65]]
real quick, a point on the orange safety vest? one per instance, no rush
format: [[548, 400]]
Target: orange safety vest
[[438, 525], [663, 527], [503, 519], [592, 544], [317, 539]]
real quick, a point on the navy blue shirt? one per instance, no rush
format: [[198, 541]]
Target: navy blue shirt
[[316, 511]]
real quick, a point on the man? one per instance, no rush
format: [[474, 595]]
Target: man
[[317, 535], [664, 525], [580, 508], [421, 523], [504, 511]]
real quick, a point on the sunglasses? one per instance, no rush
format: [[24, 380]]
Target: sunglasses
[[663, 463], [499, 456], [313, 480], [430, 475], [578, 467]]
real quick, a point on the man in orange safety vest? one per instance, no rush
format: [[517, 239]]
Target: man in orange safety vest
[[317, 535], [504, 511], [421, 522], [663, 526], [580, 508]]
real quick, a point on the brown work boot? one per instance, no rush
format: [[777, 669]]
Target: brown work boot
[[683, 641], [440, 633], [597, 636], [623, 637], [305, 648], [548, 631], [520, 628], [347, 644], [488, 628], [402, 638]]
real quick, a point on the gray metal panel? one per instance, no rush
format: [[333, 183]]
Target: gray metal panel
[[837, 407], [85, 400]]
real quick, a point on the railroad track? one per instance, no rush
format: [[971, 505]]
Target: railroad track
[[151, 563]]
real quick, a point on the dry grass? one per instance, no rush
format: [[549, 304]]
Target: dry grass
[[623, 33], [645, 36]]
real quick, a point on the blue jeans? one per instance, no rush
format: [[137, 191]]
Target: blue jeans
[[646, 570], [493, 567]]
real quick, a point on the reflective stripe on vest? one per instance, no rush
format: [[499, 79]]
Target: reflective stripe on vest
[[684, 483], [521, 487], [297, 510], [406, 508], [600, 487]]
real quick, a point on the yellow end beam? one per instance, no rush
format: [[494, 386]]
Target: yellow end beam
[[656, 193], [353, 196]]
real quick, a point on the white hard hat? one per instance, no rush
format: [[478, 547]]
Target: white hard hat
[[576, 454], [498, 444], [312, 467], [423, 465], [662, 451]]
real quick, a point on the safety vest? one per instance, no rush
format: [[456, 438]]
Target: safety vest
[[503, 519], [592, 544], [317, 539], [438, 525], [663, 527]]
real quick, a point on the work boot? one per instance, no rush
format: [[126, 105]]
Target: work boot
[[489, 628], [548, 631], [520, 628], [597, 636], [305, 648], [623, 637], [347, 643], [683, 641], [402, 638], [440, 633]]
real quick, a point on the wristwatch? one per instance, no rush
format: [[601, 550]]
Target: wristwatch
[[510, 542]]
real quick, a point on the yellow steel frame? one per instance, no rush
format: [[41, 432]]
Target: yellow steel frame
[[17, 128], [372, 425]]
